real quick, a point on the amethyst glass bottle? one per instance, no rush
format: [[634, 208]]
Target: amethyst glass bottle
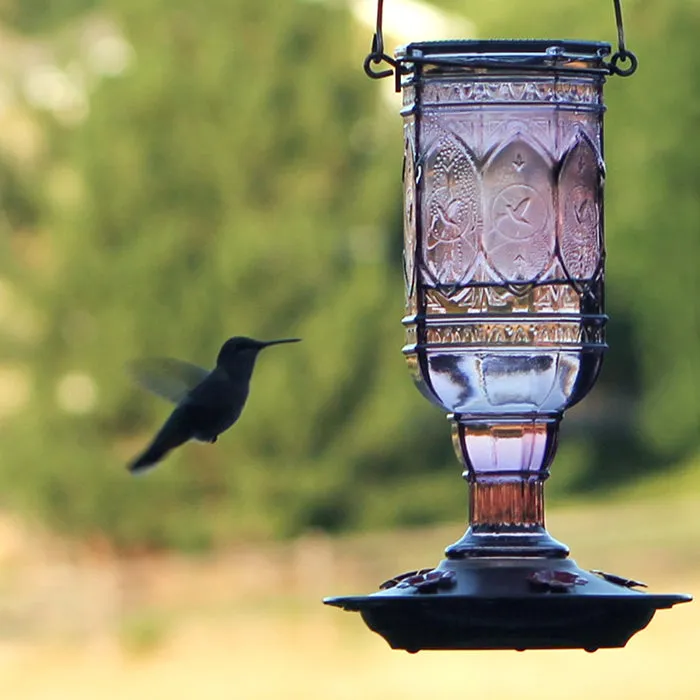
[[504, 262]]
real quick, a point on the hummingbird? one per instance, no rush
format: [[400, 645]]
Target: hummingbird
[[208, 402]]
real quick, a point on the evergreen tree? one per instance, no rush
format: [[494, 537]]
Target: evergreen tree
[[242, 177]]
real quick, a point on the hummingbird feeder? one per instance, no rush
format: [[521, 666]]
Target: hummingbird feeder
[[505, 329]]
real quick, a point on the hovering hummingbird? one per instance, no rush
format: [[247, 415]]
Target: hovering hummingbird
[[208, 403]]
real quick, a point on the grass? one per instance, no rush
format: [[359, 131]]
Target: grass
[[143, 633], [250, 624]]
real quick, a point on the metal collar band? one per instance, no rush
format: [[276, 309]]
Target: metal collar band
[[507, 54]]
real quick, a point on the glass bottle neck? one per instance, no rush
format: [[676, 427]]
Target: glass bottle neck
[[513, 502]]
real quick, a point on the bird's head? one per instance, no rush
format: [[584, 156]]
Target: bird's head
[[237, 348]]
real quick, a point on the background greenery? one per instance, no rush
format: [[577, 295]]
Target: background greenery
[[241, 175]]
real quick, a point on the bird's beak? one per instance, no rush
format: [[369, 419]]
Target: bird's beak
[[267, 343]]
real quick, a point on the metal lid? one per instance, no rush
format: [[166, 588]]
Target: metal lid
[[507, 53]]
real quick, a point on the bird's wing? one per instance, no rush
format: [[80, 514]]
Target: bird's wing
[[166, 377], [522, 206]]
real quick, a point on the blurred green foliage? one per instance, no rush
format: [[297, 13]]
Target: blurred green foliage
[[143, 633], [242, 176]]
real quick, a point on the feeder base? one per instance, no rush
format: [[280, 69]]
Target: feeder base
[[507, 604]]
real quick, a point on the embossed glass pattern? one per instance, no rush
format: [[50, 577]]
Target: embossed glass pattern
[[503, 259]]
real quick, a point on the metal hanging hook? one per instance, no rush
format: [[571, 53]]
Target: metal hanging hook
[[377, 55], [622, 55]]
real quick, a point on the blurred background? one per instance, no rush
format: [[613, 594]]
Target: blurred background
[[174, 172]]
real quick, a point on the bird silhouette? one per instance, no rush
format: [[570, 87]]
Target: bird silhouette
[[517, 212], [208, 402]]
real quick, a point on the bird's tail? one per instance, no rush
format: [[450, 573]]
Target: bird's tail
[[174, 433], [147, 459]]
